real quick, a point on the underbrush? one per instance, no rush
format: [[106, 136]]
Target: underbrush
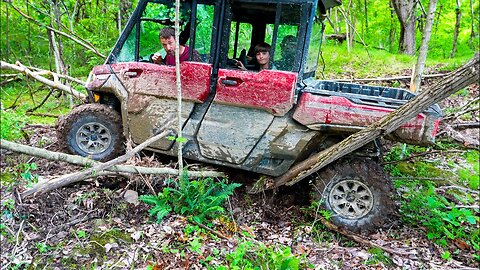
[[440, 195]]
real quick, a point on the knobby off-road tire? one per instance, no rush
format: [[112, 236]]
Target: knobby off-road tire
[[357, 192], [92, 130]]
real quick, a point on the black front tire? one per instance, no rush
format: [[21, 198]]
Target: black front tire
[[357, 192], [92, 130]]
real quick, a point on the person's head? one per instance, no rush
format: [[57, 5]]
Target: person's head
[[288, 44], [167, 39], [262, 53]]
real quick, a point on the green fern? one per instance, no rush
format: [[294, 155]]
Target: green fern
[[201, 199]]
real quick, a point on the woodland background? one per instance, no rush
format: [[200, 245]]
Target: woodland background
[[437, 187]]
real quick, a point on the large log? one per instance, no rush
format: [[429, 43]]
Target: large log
[[82, 161], [86, 162], [451, 83]]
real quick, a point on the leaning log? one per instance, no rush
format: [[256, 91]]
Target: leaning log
[[451, 83]]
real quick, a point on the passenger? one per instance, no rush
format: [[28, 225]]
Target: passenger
[[288, 45], [262, 55], [167, 39]]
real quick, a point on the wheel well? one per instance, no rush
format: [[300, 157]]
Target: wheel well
[[105, 98]]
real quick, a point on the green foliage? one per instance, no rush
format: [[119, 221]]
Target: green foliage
[[446, 255], [252, 256], [81, 233], [471, 175], [378, 256], [201, 199], [421, 204], [42, 247], [177, 139], [12, 124]]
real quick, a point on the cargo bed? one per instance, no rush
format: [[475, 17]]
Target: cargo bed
[[347, 107]]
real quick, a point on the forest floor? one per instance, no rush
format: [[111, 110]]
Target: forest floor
[[100, 224]]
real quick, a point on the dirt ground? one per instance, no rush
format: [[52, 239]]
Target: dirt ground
[[99, 224]]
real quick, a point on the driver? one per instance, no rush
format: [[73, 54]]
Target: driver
[[167, 39]]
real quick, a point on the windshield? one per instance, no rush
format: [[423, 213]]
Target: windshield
[[143, 40]]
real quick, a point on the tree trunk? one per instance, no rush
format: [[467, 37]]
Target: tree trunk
[[29, 48], [392, 32], [7, 45], [405, 10], [422, 56], [458, 19], [365, 3], [179, 86], [451, 83], [472, 31]]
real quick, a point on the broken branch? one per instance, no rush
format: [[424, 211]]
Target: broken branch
[[360, 239], [54, 84], [82, 161]]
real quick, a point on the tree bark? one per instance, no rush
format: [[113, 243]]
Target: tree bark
[[405, 10], [54, 84], [456, 31], [422, 55], [462, 77]]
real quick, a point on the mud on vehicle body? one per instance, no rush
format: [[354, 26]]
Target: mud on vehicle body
[[263, 122]]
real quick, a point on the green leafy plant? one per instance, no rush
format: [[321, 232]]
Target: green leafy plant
[[443, 219], [249, 255], [446, 255], [81, 234], [27, 173], [201, 199], [42, 247], [378, 256]]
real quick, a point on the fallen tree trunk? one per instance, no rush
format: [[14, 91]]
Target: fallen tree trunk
[[82, 161], [454, 81], [37, 76], [86, 162]]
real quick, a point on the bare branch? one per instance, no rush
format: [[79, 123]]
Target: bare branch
[[23, 69]]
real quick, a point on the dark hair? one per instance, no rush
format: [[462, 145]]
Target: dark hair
[[288, 39], [167, 32], [262, 47]]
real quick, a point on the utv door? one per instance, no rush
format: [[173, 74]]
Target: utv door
[[152, 91], [246, 102]]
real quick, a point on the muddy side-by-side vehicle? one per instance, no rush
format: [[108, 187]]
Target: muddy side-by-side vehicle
[[260, 121]]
